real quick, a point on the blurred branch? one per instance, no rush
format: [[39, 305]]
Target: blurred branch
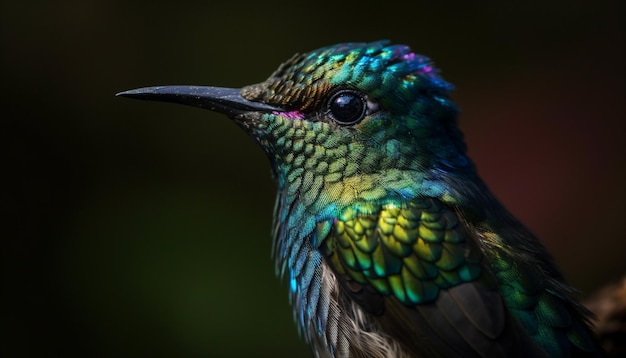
[[609, 306]]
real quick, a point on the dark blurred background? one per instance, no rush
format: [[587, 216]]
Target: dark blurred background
[[143, 229]]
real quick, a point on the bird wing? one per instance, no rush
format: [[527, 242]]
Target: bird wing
[[413, 266]]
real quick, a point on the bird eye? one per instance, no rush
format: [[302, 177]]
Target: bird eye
[[347, 107]]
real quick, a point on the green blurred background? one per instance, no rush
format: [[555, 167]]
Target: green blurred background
[[143, 229]]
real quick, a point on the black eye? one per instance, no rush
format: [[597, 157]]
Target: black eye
[[347, 107]]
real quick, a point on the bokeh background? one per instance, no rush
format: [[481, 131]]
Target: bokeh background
[[137, 229]]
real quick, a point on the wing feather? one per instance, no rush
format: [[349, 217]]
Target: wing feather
[[414, 267]]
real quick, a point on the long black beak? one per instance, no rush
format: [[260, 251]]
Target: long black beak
[[224, 100]]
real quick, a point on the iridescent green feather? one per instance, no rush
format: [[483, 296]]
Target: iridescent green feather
[[543, 313], [402, 247]]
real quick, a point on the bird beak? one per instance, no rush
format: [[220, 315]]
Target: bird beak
[[223, 100]]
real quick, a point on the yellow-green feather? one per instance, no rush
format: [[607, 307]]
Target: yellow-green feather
[[400, 248]]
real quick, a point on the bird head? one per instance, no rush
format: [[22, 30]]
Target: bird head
[[355, 120]]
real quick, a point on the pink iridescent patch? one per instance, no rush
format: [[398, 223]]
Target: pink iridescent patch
[[423, 67], [290, 115], [408, 56]]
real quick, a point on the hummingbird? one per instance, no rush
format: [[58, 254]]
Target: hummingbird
[[390, 243]]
